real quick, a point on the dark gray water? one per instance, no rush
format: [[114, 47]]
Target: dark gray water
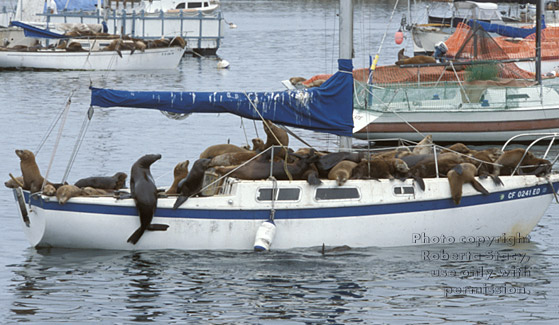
[[275, 40]]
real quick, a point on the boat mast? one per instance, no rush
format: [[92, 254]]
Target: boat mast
[[346, 48], [539, 41]]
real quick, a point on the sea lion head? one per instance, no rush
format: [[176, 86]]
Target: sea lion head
[[401, 166], [257, 144], [25, 154], [49, 190], [147, 160], [120, 180], [181, 168]]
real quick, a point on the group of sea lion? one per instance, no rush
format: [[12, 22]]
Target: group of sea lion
[[117, 44], [457, 162]]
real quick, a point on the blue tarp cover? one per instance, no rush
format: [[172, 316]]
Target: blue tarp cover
[[328, 108], [507, 31], [32, 31], [74, 5]]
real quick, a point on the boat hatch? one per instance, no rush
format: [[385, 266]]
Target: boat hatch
[[282, 194], [404, 190], [338, 193]]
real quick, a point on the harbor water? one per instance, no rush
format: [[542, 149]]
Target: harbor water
[[470, 281]]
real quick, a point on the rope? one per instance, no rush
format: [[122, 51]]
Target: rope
[[77, 145], [59, 136], [375, 61], [244, 131]]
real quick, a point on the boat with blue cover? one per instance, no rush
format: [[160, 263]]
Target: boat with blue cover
[[240, 214]]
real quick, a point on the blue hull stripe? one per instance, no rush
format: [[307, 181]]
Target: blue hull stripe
[[327, 212]]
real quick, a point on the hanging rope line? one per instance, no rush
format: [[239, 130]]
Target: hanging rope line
[[77, 145]]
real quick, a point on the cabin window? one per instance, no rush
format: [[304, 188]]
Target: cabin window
[[283, 194], [180, 6], [336, 193], [192, 5], [404, 190]]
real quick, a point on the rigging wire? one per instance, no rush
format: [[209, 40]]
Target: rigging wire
[[79, 141]]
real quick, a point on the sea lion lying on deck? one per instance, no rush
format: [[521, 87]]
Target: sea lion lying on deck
[[419, 59], [342, 171], [511, 158], [66, 192], [218, 149], [115, 182]]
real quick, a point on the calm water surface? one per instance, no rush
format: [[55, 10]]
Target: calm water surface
[[275, 40]]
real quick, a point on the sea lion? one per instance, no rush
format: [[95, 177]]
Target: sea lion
[[260, 169], [276, 136], [193, 182], [219, 149], [91, 191], [32, 178], [378, 167], [316, 83], [418, 59], [326, 162], [14, 182], [74, 47], [180, 172], [115, 182], [65, 192], [461, 174], [140, 45], [232, 158], [296, 80], [178, 41], [257, 145], [512, 158], [144, 193], [458, 147], [402, 56], [342, 171], [424, 146], [49, 190]]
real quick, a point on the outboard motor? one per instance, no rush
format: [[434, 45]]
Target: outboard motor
[[440, 51]]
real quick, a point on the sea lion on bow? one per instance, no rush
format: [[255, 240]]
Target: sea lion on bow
[[218, 149], [424, 146], [32, 178], [511, 158], [418, 59], [66, 192], [458, 176], [115, 182], [342, 171], [144, 193], [179, 172], [49, 190], [192, 184], [14, 182]]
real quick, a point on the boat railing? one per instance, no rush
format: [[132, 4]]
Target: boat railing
[[144, 25], [449, 96]]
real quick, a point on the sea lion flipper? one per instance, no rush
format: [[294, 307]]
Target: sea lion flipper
[[420, 182], [180, 200], [477, 185], [136, 235], [157, 227], [313, 180], [496, 180]]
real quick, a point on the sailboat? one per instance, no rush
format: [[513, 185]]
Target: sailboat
[[282, 214], [438, 99]]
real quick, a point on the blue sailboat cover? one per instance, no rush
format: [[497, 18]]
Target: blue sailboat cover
[[507, 31], [32, 31], [328, 108]]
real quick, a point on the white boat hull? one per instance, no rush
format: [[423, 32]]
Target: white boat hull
[[150, 59], [380, 217]]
